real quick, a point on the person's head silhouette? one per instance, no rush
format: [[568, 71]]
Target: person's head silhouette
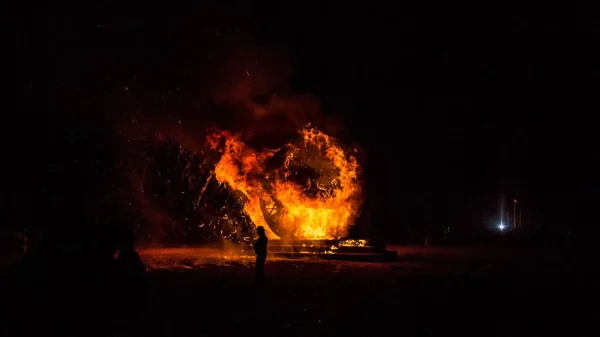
[[260, 230]]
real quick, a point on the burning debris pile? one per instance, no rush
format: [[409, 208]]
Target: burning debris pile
[[201, 208], [309, 188]]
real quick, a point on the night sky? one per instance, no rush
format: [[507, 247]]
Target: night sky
[[455, 106]]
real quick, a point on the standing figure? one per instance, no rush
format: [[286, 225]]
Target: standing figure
[[260, 248]]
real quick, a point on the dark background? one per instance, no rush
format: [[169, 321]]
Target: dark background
[[457, 106]]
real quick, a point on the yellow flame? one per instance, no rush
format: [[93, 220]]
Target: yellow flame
[[328, 214]]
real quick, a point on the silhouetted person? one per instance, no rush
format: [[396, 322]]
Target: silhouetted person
[[129, 260], [260, 248], [130, 275]]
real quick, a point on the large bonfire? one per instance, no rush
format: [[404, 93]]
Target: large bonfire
[[309, 188]]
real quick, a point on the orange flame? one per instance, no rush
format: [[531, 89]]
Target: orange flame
[[320, 204]]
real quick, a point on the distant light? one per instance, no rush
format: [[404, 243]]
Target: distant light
[[501, 227]]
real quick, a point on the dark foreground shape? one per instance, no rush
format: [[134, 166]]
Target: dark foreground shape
[[73, 290], [474, 293]]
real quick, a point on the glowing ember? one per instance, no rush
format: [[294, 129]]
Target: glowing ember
[[353, 243], [308, 189]]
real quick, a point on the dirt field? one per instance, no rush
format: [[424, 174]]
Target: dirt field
[[428, 292]]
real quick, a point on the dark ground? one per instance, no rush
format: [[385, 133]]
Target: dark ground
[[428, 292]]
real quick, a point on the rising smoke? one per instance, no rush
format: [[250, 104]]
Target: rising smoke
[[173, 195]]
